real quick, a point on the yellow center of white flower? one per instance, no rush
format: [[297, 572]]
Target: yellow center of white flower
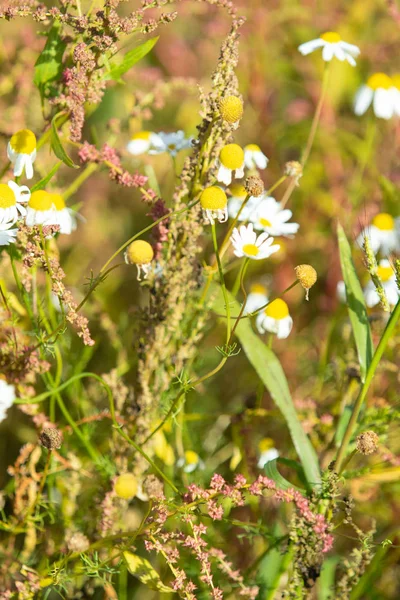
[[384, 222], [396, 80], [140, 252], [232, 156], [126, 486], [141, 135], [265, 444], [213, 198], [384, 273], [277, 309], [238, 190], [265, 222], [58, 201], [231, 109], [41, 200], [191, 458], [331, 36], [379, 80], [171, 146], [251, 249], [7, 196], [258, 288], [23, 142], [252, 148]]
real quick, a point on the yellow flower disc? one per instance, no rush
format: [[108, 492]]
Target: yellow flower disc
[[141, 135], [238, 190], [140, 252], [213, 198], [258, 288], [232, 156], [252, 148], [331, 37], [191, 458], [7, 196], [384, 222], [23, 142], [126, 486], [41, 200], [277, 309], [385, 273], [58, 201], [231, 109], [379, 80]]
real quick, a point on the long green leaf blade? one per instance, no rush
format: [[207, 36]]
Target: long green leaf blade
[[130, 59], [48, 66], [57, 146]]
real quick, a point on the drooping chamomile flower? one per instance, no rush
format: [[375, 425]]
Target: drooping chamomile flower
[[231, 163], [254, 158], [307, 277], [126, 486], [267, 452], [332, 46], [12, 199], [169, 142], [140, 253], [275, 318], [45, 208], [270, 217], [379, 91], [235, 202], [256, 298], [231, 110], [7, 235], [7, 397], [140, 142], [383, 234], [246, 243], [387, 276], [21, 151], [214, 202], [190, 462]]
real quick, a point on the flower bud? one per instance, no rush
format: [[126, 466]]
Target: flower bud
[[51, 438], [254, 186], [307, 276], [367, 442]]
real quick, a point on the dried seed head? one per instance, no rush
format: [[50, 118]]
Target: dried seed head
[[77, 542], [307, 276], [153, 487], [367, 442], [51, 438], [231, 109], [294, 169], [254, 186]]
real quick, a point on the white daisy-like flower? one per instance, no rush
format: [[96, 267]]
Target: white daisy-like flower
[[332, 46], [387, 276], [383, 234], [21, 151], [246, 243], [235, 202], [254, 158], [190, 462], [214, 202], [231, 163], [7, 235], [270, 217], [256, 298], [275, 318], [12, 200], [378, 91], [169, 142], [45, 208], [7, 397], [266, 452], [141, 142]]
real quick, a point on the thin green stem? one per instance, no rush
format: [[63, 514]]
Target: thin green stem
[[317, 115], [222, 280], [76, 184]]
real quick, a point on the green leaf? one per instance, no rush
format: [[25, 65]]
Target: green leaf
[[48, 66], [142, 569], [271, 471], [130, 59], [57, 145], [270, 371], [40, 185], [356, 305]]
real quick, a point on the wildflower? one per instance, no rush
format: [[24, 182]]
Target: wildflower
[[239, 194], [383, 234], [140, 143], [41, 209], [246, 243], [190, 462], [256, 298], [21, 151], [231, 163], [140, 253], [12, 198], [169, 142], [7, 235], [7, 397], [307, 276], [379, 91], [254, 158], [65, 217], [213, 201], [275, 318], [77, 542], [51, 438], [294, 169], [387, 276], [254, 186], [367, 442], [332, 45], [270, 217], [126, 486], [267, 452], [231, 110]]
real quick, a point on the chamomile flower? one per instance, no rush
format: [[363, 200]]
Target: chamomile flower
[[12, 199], [7, 397], [231, 163], [383, 234], [190, 462], [235, 202], [66, 217], [231, 110], [275, 318], [270, 217], [169, 142], [140, 142], [266, 452], [45, 208], [140, 253], [21, 151], [246, 243], [256, 298], [213, 201], [332, 46], [379, 92], [254, 158], [7, 235], [388, 278]]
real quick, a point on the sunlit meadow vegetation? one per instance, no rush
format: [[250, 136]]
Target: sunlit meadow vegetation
[[199, 299]]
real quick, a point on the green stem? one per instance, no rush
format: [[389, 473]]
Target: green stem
[[76, 184], [317, 115], [223, 286]]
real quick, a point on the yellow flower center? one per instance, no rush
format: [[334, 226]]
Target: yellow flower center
[[238, 190], [7, 196], [23, 142], [331, 36], [379, 80], [140, 252], [191, 458], [265, 444], [277, 309], [385, 273], [384, 222], [213, 198], [41, 200], [250, 249], [252, 148], [258, 288], [231, 109], [126, 486], [396, 80], [265, 223], [232, 156], [142, 135], [172, 147], [58, 201]]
